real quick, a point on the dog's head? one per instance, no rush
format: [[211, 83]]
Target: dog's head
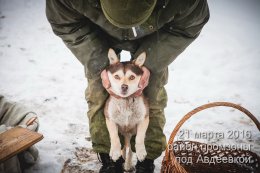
[[124, 76]]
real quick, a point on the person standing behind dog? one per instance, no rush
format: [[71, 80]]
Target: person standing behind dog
[[161, 28]]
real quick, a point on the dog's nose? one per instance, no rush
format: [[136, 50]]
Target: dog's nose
[[124, 87]]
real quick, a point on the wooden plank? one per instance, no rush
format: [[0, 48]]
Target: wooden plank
[[16, 140]]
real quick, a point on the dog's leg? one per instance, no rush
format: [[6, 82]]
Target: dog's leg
[[128, 159], [139, 140], [124, 152], [115, 150]]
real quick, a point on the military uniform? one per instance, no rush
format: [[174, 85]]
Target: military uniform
[[85, 30]]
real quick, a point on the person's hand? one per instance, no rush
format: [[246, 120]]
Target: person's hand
[[143, 81], [106, 84]]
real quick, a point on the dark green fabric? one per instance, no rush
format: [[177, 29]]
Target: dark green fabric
[[163, 36], [96, 97], [127, 13], [88, 34]]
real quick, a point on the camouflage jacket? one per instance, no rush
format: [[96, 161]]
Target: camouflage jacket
[[81, 24]]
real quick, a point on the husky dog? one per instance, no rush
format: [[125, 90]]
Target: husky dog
[[128, 115]]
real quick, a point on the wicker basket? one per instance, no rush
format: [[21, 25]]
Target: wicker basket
[[190, 156]]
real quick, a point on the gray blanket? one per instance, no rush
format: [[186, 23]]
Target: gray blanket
[[13, 114]]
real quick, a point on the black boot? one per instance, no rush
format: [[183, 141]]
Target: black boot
[[145, 166], [108, 166], [119, 165]]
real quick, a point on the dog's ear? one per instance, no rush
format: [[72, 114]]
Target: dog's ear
[[112, 57], [139, 61]]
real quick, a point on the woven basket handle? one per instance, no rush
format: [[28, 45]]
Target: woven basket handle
[[206, 106]]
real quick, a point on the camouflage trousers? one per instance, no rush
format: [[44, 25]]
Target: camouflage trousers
[[155, 141]]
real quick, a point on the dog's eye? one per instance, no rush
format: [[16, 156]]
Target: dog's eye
[[132, 77], [117, 77]]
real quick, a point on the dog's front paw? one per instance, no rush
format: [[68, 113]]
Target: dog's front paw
[[140, 152], [115, 152], [128, 168]]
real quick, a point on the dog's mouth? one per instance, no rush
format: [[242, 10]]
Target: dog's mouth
[[124, 92]]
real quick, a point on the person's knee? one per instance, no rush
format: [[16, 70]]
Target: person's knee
[[99, 133], [155, 149], [155, 141]]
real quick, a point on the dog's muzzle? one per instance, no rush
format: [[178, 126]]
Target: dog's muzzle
[[124, 88]]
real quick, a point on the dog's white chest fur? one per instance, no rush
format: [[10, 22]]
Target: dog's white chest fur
[[127, 112]]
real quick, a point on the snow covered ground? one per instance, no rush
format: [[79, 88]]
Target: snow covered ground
[[223, 64]]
